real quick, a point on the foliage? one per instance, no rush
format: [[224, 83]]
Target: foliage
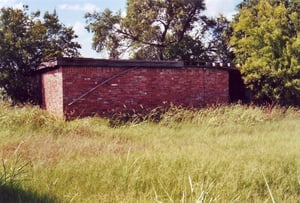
[[222, 154], [13, 172], [26, 40], [220, 40], [266, 43], [153, 30]]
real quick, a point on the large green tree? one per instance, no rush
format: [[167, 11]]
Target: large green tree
[[266, 41], [153, 29], [26, 40]]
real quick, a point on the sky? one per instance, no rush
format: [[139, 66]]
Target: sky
[[71, 13]]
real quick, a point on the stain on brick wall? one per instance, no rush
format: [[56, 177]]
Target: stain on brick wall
[[52, 90], [83, 87]]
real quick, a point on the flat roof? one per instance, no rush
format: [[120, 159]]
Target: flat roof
[[92, 62]]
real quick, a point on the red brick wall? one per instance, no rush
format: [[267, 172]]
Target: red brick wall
[[52, 84], [141, 88], [84, 87]]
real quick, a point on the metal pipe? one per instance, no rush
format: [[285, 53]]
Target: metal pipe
[[99, 85]]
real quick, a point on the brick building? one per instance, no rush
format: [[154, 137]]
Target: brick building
[[78, 87]]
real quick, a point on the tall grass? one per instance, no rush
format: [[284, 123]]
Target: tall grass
[[220, 154], [13, 172]]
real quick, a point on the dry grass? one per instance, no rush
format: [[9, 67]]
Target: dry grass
[[220, 154]]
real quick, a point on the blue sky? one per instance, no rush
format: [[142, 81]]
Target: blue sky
[[71, 13]]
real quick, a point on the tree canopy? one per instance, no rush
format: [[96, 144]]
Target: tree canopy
[[154, 29], [266, 43], [25, 40]]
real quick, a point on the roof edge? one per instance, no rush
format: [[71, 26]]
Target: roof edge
[[92, 62]]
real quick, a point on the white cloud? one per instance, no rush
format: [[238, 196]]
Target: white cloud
[[79, 28], [6, 2], [11, 3], [85, 40], [90, 7], [87, 7], [18, 5], [217, 7], [75, 7]]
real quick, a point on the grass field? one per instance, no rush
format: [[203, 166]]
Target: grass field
[[221, 154]]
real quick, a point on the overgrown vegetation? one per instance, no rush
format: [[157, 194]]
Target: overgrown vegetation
[[221, 154], [266, 43], [161, 30], [26, 40], [13, 172]]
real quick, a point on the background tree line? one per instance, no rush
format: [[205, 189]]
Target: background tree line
[[263, 38], [26, 39], [161, 30]]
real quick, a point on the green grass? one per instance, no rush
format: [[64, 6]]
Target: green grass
[[220, 154]]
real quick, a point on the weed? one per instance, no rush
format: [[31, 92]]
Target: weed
[[14, 171], [213, 154]]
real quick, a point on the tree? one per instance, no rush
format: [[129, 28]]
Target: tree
[[266, 42], [151, 29], [25, 41], [219, 45]]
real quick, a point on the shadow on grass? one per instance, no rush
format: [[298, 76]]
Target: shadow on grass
[[15, 194]]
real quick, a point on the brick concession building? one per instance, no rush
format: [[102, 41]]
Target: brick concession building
[[77, 87]]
